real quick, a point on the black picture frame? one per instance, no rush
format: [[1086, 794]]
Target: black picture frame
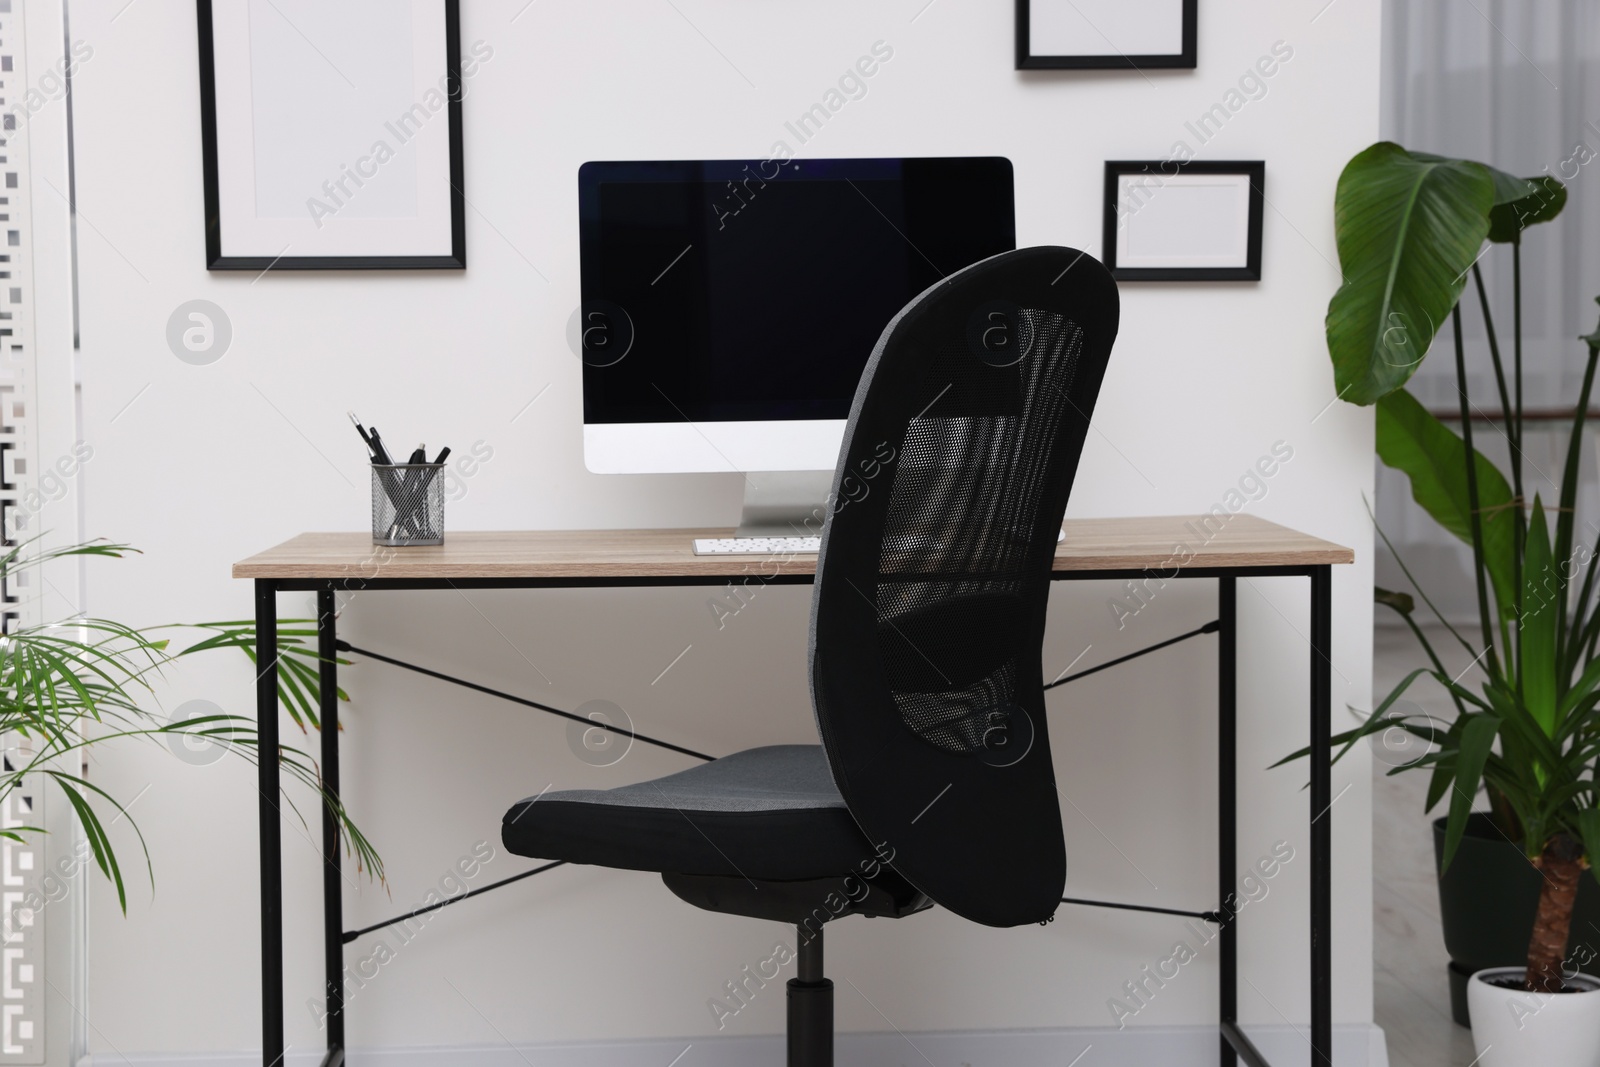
[[1255, 170], [216, 260], [1185, 59]]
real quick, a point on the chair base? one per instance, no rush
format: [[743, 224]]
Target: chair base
[[810, 1028], [809, 905]]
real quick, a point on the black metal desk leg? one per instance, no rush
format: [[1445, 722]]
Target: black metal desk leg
[[1227, 804], [1321, 817], [332, 889], [269, 829]]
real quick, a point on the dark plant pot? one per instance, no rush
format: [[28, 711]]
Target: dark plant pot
[[1487, 901]]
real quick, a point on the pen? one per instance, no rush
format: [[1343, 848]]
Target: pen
[[360, 429], [380, 453], [429, 475]]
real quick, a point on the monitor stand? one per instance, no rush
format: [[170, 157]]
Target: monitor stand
[[784, 503]]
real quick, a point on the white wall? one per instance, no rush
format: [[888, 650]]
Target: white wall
[[201, 466]]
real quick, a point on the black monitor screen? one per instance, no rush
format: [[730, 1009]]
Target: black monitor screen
[[733, 290]]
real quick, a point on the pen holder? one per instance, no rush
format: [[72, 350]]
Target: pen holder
[[407, 504]]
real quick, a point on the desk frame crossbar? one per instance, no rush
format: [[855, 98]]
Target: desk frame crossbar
[[345, 646], [1235, 1045], [1209, 628], [352, 935]]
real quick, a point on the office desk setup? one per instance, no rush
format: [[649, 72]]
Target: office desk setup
[[1158, 549]]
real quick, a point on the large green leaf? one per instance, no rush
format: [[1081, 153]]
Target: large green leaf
[[1581, 689], [1477, 738], [1508, 188], [1536, 629], [1508, 219], [1434, 458], [1408, 228]]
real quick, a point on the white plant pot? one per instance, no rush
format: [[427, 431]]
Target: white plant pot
[[1515, 1028]]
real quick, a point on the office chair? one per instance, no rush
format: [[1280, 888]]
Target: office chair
[[933, 782]]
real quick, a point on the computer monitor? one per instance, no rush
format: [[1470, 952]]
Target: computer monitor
[[729, 306]]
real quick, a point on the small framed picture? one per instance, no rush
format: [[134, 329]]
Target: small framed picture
[[1170, 221], [331, 134], [1105, 34]]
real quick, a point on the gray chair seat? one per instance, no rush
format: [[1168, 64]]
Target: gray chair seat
[[765, 813]]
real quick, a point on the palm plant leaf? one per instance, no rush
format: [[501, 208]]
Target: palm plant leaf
[[1567, 514], [59, 677], [1477, 736], [1536, 629], [299, 678], [105, 856]]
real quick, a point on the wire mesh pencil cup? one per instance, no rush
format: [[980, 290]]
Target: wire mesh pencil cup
[[407, 504]]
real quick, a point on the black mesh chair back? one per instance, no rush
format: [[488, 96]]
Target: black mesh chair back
[[928, 616]]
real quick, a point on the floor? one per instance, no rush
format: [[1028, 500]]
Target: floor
[[1412, 997]]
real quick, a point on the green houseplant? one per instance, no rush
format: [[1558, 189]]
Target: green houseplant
[[80, 682], [1411, 230]]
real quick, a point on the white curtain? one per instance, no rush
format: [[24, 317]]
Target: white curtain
[[1516, 84]]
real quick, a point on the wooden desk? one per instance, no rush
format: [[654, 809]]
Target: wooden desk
[[1224, 548], [1197, 542]]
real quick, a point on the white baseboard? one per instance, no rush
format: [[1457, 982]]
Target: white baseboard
[[1356, 1045]]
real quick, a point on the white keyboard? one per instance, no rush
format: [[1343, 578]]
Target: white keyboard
[[756, 546], [769, 546]]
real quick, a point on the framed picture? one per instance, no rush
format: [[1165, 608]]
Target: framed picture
[[1105, 34], [331, 134], [1167, 221]]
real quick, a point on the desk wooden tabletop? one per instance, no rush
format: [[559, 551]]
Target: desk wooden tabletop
[[1091, 544]]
